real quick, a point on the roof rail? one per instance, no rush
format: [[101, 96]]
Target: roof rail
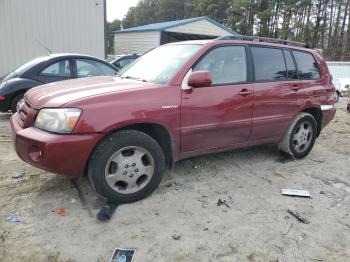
[[262, 39]]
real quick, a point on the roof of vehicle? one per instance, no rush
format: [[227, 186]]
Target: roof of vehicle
[[71, 55], [167, 25], [237, 41]]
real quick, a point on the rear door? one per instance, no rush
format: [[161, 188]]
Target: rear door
[[219, 115], [279, 94], [56, 71]]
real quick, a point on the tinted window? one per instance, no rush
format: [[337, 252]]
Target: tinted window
[[60, 68], [87, 67], [269, 64], [307, 66], [226, 64], [291, 70]]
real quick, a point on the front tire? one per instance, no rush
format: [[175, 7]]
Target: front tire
[[14, 102], [300, 136], [126, 166]]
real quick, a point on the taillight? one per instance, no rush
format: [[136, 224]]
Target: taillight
[[2, 98]]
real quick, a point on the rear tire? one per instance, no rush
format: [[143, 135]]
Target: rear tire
[[14, 102], [338, 95], [300, 136], [126, 166]]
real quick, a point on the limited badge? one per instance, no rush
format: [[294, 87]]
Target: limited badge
[[123, 255]]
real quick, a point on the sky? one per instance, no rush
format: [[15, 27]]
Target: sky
[[118, 8]]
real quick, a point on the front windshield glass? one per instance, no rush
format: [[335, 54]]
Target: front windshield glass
[[161, 64]]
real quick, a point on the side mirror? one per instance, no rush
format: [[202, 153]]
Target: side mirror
[[200, 79]]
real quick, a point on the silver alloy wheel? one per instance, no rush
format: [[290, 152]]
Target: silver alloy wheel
[[302, 137], [129, 169]]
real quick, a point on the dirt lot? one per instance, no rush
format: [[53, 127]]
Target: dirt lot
[[255, 226]]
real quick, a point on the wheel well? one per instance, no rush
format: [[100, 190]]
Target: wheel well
[[158, 133], [16, 94], [317, 114]]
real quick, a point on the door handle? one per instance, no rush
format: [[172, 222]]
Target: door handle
[[245, 92]]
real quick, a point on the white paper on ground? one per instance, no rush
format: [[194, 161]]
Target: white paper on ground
[[295, 192]]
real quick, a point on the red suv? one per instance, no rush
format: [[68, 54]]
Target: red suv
[[176, 101]]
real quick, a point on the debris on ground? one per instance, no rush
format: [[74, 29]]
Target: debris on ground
[[18, 175], [61, 211], [12, 219], [295, 192], [106, 211], [222, 202], [318, 160], [176, 237], [299, 217], [123, 255], [290, 227], [170, 184]]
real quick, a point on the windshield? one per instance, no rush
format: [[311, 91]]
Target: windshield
[[161, 64]]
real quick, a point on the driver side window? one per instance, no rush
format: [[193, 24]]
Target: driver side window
[[226, 64]]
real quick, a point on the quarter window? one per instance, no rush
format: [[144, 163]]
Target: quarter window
[[307, 66], [269, 64], [227, 65], [60, 68]]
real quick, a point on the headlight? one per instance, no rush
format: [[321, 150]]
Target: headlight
[[57, 120]]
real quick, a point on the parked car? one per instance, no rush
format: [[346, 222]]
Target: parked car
[[178, 100], [121, 61], [47, 69]]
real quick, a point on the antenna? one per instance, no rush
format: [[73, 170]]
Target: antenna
[[41, 44]]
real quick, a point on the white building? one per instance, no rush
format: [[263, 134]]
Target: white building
[[143, 38], [340, 72], [28, 27]]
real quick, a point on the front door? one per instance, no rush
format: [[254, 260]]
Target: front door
[[218, 116]]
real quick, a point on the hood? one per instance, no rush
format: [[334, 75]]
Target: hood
[[59, 93]]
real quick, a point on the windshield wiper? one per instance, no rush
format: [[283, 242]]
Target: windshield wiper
[[134, 78]]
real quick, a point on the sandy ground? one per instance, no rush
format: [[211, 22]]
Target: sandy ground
[[255, 227]]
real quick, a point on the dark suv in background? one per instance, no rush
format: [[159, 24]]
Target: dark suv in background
[[178, 100]]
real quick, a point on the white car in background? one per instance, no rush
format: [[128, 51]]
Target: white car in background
[[339, 86]]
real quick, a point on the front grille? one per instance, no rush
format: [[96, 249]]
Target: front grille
[[26, 115]]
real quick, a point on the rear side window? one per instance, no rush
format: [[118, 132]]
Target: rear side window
[[226, 64], [291, 70], [307, 66], [269, 64]]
